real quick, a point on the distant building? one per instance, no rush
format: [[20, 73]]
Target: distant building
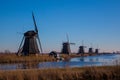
[[66, 48], [81, 50], [90, 50]]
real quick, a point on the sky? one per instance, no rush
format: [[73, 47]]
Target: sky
[[95, 22]]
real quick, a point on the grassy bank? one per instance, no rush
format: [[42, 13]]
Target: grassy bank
[[86, 73], [13, 58]]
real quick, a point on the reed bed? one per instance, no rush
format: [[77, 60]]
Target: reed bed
[[13, 58], [85, 73]]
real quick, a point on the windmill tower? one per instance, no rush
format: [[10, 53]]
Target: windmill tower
[[90, 49], [66, 46], [29, 43], [97, 50], [81, 49]]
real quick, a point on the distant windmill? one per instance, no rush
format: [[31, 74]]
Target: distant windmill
[[81, 48], [66, 46], [29, 43], [97, 50], [90, 49]]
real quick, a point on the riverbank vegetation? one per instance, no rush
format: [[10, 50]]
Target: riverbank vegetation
[[13, 58], [85, 73]]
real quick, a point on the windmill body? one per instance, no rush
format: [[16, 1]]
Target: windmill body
[[81, 50], [66, 46], [30, 41], [90, 50], [96, 51], [30, 44]]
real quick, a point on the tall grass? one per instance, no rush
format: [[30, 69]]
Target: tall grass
[[86, 73], [102, 73], [13, 58]]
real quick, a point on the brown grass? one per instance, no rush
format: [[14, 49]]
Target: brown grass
[[86, 73], [102, 73], [13, 58]]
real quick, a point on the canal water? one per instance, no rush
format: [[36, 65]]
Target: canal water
[[98, 60]]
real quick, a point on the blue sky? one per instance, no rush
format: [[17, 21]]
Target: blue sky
[[94, 21]]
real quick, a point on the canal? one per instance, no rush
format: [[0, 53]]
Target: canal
[[98, 60]]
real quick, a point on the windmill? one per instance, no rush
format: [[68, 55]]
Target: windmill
[[90, 49], [81, 48], [66, 46], [29, 43], [97, 50]]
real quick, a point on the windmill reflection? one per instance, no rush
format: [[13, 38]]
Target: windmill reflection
[[82, 58], [28, 65]]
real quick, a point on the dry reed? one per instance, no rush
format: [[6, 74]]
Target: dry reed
[[13, 58], [86, 73]]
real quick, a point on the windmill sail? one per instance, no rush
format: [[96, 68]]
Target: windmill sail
[[36, 29], [34, 23], [40, 45], [20, 46], [67, 38]]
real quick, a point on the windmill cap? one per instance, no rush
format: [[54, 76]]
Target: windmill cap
[[30, 33]]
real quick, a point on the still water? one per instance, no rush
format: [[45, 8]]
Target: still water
[[98, 60]]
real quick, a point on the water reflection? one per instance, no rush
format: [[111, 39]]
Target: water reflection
[[81, 58], [98, 60], [28, 65]]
